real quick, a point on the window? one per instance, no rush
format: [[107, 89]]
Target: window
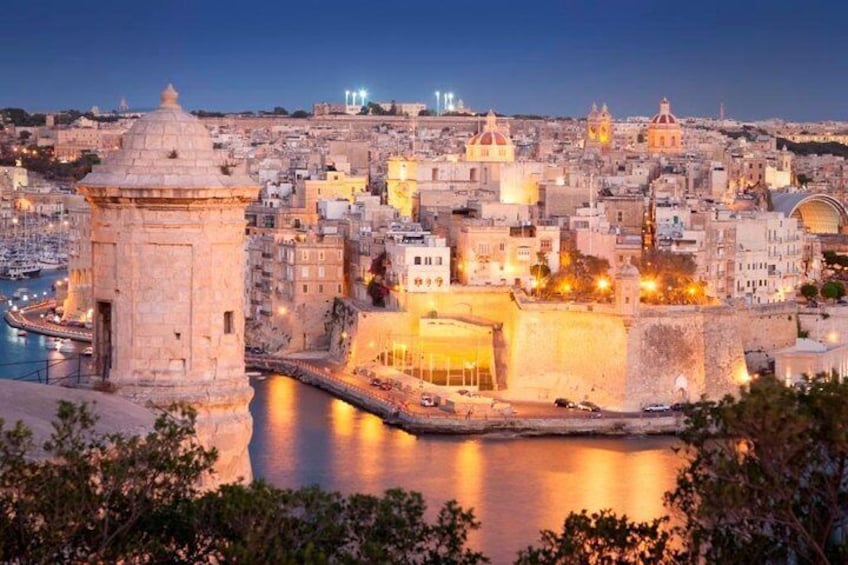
[[428, 260], [545, 244], [438, 260], [482, 249], [320, 272], [306, 289], [619, 216], [320, 289], [502, 246], [434, 174], [304, 255], [523, 253], [473, 175], [304, 272], [339, 290], [417, 260], [321, 255], [229, 323]]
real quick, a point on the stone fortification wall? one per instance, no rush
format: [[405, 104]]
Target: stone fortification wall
[[572, 354], [576, 351], [767, 327], [681, 354]]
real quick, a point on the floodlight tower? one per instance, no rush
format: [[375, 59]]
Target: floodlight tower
[[362, 94], [347, 97], [437, 102]]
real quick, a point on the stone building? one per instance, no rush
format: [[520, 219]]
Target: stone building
[[665, 134], [599, 128], [167, 246], [294, 278]]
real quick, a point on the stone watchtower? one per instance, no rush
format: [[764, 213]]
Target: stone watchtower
[[167, 248]]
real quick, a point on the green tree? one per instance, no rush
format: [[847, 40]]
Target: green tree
[[832, 290], [280, 111], [100, 498], [540, 271], [672, 277], [263, 524], [809, 291], [765, 479], [602, 539], [108, 498], [830, 257], [300, 114], [578, 276]]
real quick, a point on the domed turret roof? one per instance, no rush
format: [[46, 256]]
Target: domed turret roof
[[166, 148]]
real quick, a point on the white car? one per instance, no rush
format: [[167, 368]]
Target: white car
[[427, 400], [656, 408]]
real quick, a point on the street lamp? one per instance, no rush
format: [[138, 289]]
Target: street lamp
[[362, 94], [347, 97], [450, 101], [437, 102]]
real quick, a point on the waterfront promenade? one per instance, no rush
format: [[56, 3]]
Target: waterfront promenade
[[400, 406]]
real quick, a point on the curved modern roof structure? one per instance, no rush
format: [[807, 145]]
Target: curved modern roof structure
[[819, 213]]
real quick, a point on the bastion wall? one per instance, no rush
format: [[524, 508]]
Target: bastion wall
[[578, 351]]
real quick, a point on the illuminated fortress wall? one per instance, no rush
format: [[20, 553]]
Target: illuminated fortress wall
[[577, 351]]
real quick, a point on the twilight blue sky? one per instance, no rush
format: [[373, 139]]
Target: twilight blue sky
[[761, 58]]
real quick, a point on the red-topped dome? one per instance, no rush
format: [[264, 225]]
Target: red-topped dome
[[665, 116], [664, 119], [489, 138]]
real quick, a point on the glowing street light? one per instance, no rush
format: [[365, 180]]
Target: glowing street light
[[362, 94], [347, 96], [437, 102], [603, 284], [450, 101]]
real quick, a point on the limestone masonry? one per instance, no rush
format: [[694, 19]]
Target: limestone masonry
[[167, 237]]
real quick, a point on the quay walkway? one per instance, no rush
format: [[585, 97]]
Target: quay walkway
[[29, 319], [401, 407]]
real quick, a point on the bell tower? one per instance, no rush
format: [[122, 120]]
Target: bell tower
[[167, 253]]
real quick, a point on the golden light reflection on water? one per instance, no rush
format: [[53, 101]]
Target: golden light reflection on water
[[516, 486], [341, 418], [469, 475], [629, 482], [280, 404]]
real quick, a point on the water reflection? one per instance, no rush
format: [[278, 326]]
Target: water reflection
[[516, 486]]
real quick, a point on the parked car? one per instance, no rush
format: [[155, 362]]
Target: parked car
[[588, 406], [679, 406], [385, 385], [375, 382], [427, 400], [656, 407], [564, 403]]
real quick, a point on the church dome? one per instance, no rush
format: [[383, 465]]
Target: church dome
[[166, 148], [665, 117], [489, 138]]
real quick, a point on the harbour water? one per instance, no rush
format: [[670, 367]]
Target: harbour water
[[517, 486], [28, 356]]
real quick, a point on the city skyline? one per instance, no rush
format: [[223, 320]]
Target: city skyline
[[760, 60]]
